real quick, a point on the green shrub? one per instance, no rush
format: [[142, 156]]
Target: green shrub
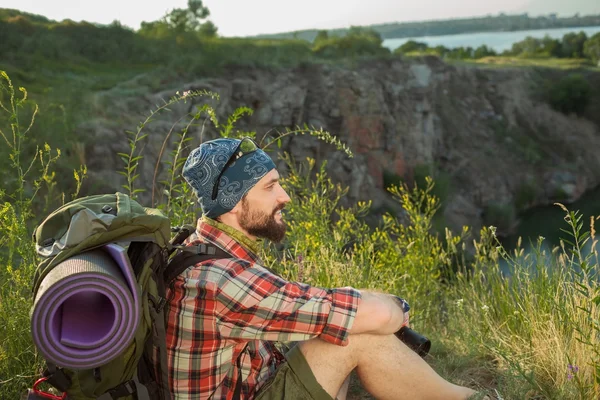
[[526, 194], [500, 215], [441, 189], [411, 46], [570, 94], [358, 42]]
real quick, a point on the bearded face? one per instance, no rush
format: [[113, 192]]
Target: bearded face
[[262, 224]]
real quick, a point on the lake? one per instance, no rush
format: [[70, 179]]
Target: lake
[[498, 41]]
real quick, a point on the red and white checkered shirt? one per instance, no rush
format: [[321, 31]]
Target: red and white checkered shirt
[[220, 310]]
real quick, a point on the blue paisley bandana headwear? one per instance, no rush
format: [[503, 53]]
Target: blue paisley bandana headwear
[[205, 163]]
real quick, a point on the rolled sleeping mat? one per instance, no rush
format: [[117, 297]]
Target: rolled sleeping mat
[[87, 309]]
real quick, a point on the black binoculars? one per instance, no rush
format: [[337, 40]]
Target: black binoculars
[[417, 342]]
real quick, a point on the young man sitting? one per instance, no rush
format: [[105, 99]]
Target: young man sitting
[[226, 317]]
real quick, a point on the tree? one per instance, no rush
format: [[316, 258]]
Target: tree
[[187, 19], [357, 42], [527, 47], [208, 29], [181, 21], [483, 51], [322, 36], [572, 44], [551, 46], [591, 48], [411, 46]]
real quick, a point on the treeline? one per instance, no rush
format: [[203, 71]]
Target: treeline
[[499, 23], [572, 45], [32, 42], [185, 41]]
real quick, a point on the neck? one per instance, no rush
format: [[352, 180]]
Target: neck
[[239, 235], [231, 220]]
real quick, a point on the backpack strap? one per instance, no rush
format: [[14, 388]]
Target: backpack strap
[[57, 377], [183, 232], [189, 256], [192, 255]]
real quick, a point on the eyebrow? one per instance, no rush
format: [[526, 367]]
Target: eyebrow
[[274, 180]]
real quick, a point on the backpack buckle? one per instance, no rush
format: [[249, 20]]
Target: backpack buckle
[[203, 248], [57, 378], [41, 394], [161, 304]]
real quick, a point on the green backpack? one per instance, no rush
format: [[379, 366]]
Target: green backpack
[[99, 295]]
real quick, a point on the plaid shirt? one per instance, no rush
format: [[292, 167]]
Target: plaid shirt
[[222, 310]]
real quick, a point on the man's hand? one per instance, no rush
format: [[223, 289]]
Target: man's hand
[[380, 313], [406, 308]]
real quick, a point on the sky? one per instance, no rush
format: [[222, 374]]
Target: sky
[[246, 18]]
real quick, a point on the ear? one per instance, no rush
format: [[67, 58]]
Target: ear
[[237, 209]]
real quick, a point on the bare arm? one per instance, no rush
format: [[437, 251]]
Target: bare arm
[[377, 313]]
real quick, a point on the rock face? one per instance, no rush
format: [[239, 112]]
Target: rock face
[[480, 130]]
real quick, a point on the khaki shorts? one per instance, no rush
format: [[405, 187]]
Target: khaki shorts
[[293, 380]]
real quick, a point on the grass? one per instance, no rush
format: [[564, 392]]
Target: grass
[[514, 61], [560, 63], [530, 332]]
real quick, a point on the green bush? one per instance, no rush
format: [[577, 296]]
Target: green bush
[[501, 215], [411, 46], [527, 192], [591, 48], [357, 43], [570, 94]]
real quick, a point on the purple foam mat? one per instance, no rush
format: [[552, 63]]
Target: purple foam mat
[[87, 309]]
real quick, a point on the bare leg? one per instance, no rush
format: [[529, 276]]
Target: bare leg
[[386, 367], [343, 392]]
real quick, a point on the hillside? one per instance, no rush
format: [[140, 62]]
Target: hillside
[[488, 135], [494, 146]]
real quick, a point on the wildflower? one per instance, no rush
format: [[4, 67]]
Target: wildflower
[[186, 93], [459, 303], [573, 368], [485, 308]]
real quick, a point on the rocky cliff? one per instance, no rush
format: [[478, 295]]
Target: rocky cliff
[[483, 131]]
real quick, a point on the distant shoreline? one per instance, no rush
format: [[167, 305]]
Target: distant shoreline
[[499, 41], [487, 24], [496, 31]]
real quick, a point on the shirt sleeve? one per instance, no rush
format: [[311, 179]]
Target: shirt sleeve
[[253, 303]]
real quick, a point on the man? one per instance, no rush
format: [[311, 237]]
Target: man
[[227, 316]]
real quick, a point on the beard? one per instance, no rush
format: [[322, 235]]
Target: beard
[[261, 224]]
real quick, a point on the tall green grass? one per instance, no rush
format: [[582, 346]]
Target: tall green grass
[[529, 330]]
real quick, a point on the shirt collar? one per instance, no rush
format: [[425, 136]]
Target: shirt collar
[[229, 238]]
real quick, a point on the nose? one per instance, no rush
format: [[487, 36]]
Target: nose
[[283, 197]]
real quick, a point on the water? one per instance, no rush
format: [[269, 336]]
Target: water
[[499, 41], [548, 221]]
